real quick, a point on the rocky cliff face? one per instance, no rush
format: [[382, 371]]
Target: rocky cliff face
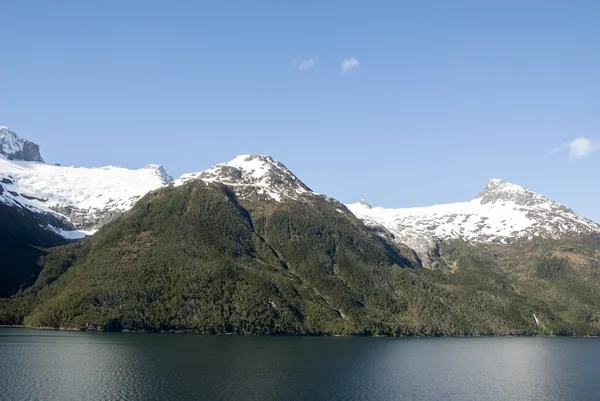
[[14, 147]]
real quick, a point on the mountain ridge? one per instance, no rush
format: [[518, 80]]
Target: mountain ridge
[[502, 211], [246, 247], [196, 258]]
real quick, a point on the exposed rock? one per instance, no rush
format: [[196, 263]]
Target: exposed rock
[[364, 203], [253, 176], [160, 171], [14, 147], [500, 214]]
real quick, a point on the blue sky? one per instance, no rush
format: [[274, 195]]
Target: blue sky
[[437, 96]]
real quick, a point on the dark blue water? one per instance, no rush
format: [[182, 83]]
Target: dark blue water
[[52, 365]]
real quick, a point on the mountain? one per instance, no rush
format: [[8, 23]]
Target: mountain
[[90, 197], [44, 205], [84, 198], [255, 176], [14, 147], [197, 257], [500, 214], [247, 247], [23, 237]]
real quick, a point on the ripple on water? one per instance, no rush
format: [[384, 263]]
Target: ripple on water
[[54, 365]]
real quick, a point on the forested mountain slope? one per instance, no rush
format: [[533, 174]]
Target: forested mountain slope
[[196, 257]]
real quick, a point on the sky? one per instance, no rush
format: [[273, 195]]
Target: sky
[[401, 103]]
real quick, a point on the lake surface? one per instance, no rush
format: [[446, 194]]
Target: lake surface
[[58, 365]]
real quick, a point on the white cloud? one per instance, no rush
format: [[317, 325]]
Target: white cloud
[[307, 64], [582, 147], [350, 64]]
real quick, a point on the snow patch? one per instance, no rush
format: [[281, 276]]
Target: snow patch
[[72, 234]]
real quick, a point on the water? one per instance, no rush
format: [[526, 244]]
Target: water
[[53, 365]]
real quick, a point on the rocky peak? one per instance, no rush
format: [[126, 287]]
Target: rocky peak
[[159, 171], [364, 203], [253, 175], [502, 213], [498, 190], [14, 147]]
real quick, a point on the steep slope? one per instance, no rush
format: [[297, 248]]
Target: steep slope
[[13, 147], [253, 176], [45, 205], [501, 213], [190, 258], [23, 236], [559, 278]]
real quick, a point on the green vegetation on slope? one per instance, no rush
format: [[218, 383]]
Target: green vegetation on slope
[[194, 258], [558, 279]]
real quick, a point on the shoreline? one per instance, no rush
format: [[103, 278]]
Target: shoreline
[[184, 332]]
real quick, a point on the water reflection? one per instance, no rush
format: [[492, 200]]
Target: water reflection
[[123, 366]]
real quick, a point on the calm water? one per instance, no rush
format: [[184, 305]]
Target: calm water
[[51, 365]]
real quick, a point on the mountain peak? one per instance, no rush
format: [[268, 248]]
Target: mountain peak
[[245, 159], [159, 171], [364, 203], [497, 184], [13, 147], [253, 175], [501, 213], [498, 190]]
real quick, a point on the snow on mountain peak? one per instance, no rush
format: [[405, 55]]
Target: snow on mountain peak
[[253, 175], [13, 147], [364, 203], [497, 184], [501, 213], [90, 197], [501, 191], [160, 172]]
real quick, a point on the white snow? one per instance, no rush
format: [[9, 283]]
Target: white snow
[[91, 191], [89, 196], [258, 174], [72, 234], [502, 212], [9, 142]]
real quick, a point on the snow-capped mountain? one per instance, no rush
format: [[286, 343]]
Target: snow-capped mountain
[[89, 197], [254, 176], [84, 199], [502, 212], [14, 147], [78, 198]]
